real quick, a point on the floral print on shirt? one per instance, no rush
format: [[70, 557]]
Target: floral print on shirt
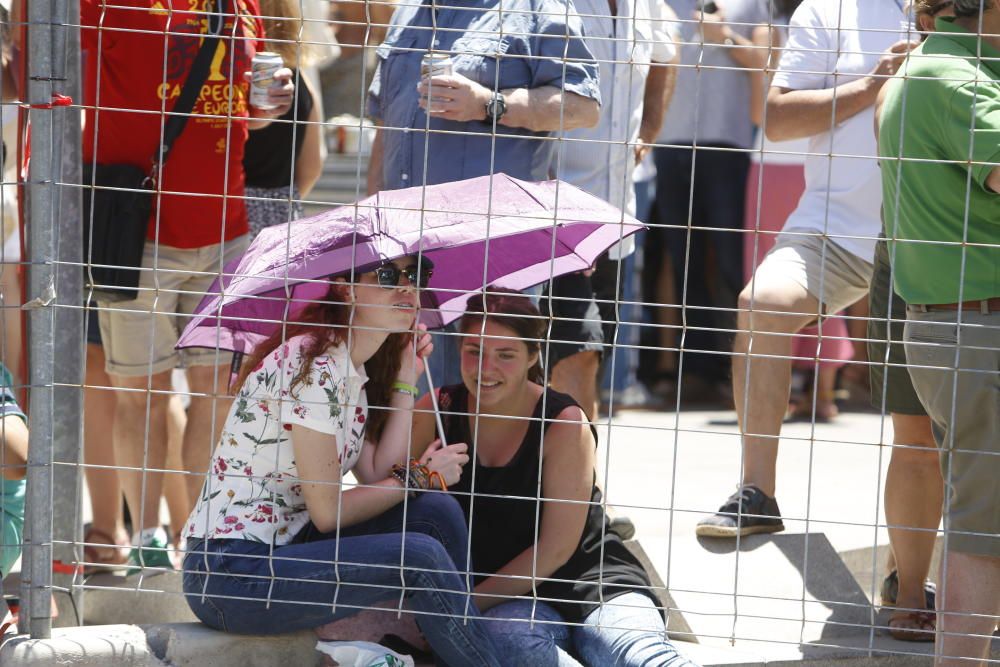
[[253, 491]]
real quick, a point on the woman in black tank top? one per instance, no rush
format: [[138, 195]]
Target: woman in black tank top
[[540, 544]]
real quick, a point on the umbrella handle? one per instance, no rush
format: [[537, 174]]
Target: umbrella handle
[[434, 401]]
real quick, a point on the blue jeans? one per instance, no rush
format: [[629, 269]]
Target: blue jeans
[[245, 587], [625, 632]]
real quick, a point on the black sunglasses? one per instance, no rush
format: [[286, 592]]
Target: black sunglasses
[[388, 275]]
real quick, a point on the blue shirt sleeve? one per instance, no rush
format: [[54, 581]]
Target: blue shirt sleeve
[[562, 58]]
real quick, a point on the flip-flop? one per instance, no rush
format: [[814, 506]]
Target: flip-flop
[[96, 543]]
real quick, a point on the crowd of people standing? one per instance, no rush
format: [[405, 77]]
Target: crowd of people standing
[[894, 224]]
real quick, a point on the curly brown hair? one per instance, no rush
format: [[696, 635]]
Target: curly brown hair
[[513, 310], [930, 7], [327, 324]]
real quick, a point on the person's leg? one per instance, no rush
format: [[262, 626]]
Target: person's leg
[[138, 338], [530, 634], [771, 308], [783, 296], [208, 370], [576, 375], [437, 515], [205, 417], [575, 337], [300, 586], [914, 494], [672, 210], [175, 484], [139, 432], [962, 402], [628, 631], [968, 609], [107, 524], [721, 190]]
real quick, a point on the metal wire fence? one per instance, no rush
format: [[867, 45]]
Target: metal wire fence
[[780, 245]]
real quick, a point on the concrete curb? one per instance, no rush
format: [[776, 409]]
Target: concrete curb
[[167, 645], [194, 645]]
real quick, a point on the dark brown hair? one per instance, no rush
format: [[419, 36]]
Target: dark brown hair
[[326, 323], [513, 310]]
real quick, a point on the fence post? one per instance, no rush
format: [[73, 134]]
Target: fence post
[[69, 343], [55, 335]]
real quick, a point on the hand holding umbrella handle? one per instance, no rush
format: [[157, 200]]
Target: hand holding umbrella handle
[[434, 402]]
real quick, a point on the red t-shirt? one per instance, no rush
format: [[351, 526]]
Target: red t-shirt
[[144, 53]]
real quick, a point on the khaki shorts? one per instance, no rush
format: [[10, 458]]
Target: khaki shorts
[[963, 402], [139, 336], [835, 277]]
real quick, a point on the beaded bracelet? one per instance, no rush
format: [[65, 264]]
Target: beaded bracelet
[[399, 472], [419, 476]]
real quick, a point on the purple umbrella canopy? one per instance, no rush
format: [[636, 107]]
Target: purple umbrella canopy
[[483, 231]]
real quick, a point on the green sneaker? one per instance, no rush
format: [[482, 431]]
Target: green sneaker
[[156, 554]]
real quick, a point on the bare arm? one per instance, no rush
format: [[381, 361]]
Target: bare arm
[[794, 114], [321, 481], [375, 164], [656, 98], [15, 448], [567, 474], [309, 165], [760, 78], [548, 109], [993, 180], [542, 109]]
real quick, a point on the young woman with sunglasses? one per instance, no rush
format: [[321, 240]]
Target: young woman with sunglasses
[[545, 554], [277, 542]]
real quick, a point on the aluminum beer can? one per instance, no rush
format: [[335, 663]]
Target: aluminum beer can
[[435, 64], [262, 70]]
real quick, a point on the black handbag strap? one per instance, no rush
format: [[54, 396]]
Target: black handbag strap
[[192, 84]]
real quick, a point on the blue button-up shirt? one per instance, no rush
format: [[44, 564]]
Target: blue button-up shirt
[[532, 43]]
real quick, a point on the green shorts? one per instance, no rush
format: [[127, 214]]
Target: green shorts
[[890, 379]]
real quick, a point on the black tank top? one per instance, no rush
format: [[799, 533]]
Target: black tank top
[[269, 152], [502, 518]]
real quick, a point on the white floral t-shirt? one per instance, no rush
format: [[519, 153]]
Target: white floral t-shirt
[[253, 490]]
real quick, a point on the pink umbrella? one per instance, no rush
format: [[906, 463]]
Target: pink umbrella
[[483, 231]]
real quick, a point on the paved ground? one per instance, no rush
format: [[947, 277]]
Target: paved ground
[[666, 470], [801, 595]]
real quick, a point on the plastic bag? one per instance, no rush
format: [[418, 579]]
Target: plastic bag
[[363, 654]]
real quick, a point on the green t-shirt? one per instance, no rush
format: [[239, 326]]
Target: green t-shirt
[[942, 111]]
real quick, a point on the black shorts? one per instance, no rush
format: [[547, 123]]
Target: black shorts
[[583, 311], [92, 324]]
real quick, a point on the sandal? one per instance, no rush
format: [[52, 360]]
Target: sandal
[[890, 589], [913, 626], [102, 553]]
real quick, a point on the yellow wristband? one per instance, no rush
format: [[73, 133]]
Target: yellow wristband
[[404, 388]]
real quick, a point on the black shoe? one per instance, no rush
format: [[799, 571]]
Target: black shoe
[[747, 512]]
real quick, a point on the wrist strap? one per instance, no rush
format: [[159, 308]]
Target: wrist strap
[[404, 388]]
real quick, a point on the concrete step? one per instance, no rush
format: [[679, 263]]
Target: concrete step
[[194, 645], [113, 599]]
